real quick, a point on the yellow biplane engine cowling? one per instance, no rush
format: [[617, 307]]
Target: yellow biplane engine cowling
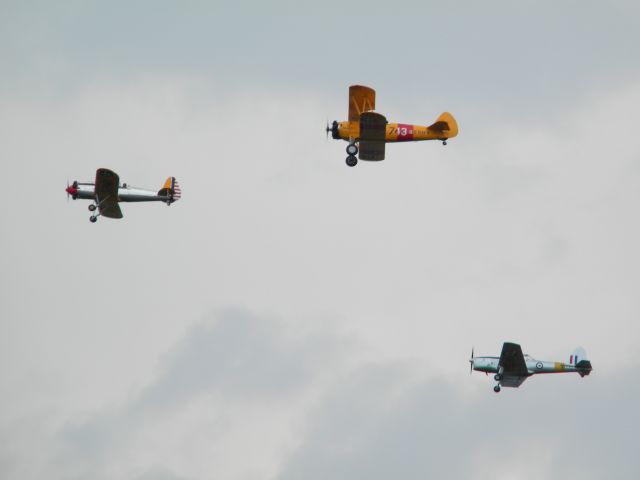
[[335, 133]]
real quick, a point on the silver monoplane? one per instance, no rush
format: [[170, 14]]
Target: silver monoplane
[[107, 192]]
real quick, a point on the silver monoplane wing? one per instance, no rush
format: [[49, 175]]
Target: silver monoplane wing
[[513, 366], [107, 183]]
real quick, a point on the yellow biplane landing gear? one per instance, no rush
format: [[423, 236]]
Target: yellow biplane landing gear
[[352, 161], [444, 142], [352, 149]]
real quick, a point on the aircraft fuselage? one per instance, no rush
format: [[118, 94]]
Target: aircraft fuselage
[[395, 132], [126, 193], [490, 365]]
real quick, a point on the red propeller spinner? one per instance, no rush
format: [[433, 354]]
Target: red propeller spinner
[[72, 190]]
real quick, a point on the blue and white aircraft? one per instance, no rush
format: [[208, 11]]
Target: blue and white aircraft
[[512, 368]]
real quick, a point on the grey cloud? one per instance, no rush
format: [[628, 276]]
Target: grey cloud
[[493, 55], [550, 428], [160, 474], [233, 359], [240, 356], [512, 230]]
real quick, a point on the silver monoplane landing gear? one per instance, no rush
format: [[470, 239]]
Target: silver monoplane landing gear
[[352, 161], [92, 208], [496, 389], [352, 149]]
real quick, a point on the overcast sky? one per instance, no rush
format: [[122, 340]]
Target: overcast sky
[[293, 318]]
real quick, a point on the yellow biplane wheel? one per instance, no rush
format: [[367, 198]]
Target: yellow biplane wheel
[[352, 161], [352, 149]]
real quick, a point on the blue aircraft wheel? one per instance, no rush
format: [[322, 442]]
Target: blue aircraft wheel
[[93, 219], [352, 161]]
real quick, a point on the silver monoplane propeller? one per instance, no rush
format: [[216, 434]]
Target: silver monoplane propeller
[[471, 362]]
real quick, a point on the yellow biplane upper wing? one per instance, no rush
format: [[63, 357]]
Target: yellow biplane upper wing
[[107, 183], [361, 99], [373, 127]]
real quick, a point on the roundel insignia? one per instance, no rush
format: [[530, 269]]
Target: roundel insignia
[[539, 365]]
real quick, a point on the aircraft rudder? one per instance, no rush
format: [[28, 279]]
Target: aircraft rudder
[[170, 189], [578, 354], [445, 126], [451, 121], [578, 359]]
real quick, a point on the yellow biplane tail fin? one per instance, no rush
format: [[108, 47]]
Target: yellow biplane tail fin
[[445, 126], [361, 99]]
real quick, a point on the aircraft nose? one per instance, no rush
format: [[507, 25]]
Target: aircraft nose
[[335, 130], [72, 190]]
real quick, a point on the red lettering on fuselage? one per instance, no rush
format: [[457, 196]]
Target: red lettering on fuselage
[[405, 132]]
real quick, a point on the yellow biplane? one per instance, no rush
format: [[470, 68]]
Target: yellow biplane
[[368, 132]]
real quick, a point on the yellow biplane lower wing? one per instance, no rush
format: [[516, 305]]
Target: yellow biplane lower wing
[[361, 99], [373, 127]]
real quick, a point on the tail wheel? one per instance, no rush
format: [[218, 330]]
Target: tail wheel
[[352, 161]]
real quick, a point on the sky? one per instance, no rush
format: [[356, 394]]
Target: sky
[[291, 317]]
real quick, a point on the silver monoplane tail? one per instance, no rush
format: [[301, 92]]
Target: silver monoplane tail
[[512, 368], [107, 192]]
